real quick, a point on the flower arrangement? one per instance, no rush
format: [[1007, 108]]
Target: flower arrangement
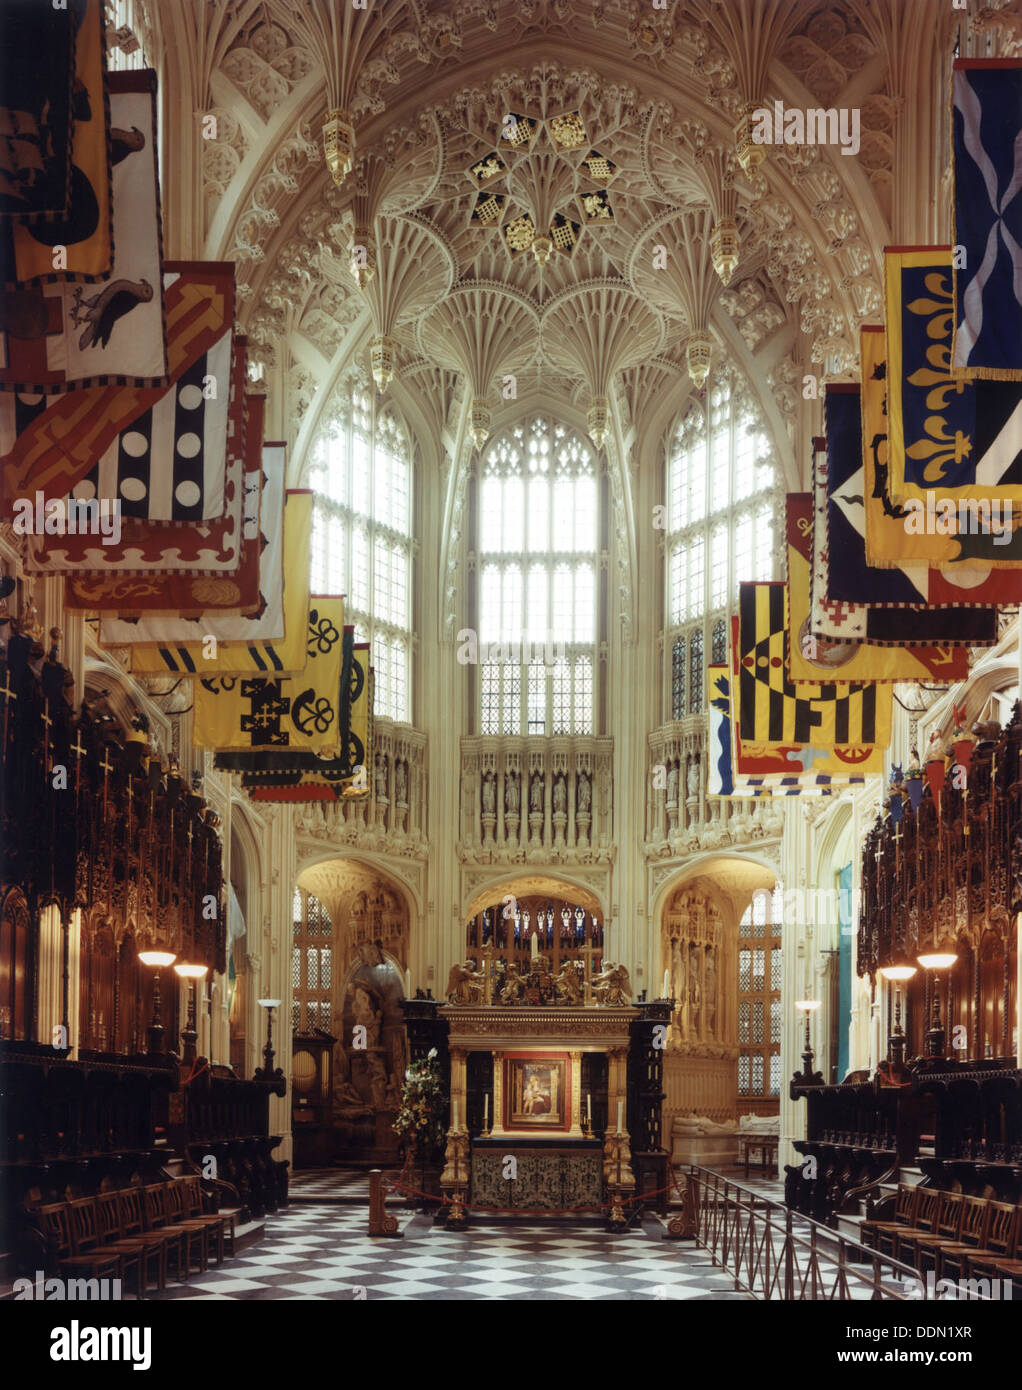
[[421, 1121]]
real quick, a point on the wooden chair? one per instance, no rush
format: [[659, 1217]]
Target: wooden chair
[[194, 1207], [90, 1231], [209, 1228], [947, 1230], [923, 1223], [151, 1249], [159, 1218], [975, 1224], [1002, 1235], [905, 1202], [55, 1220]]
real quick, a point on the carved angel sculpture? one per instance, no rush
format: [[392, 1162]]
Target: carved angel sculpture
[[569, 986], [612, 986], [464, 985]]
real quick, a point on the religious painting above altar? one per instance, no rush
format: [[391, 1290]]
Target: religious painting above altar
[[538, 1091]]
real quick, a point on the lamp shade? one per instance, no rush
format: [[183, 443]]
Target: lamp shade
[[807, 1005], [268, 1003], [157, 958], [938, 960], [189, 971], [898, 972]]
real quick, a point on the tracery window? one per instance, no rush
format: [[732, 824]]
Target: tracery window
[[722, 527], [311, 964], [536, 545], [362, 534], [759, 997]]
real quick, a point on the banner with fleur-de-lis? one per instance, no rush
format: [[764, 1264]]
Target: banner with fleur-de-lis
[[300, 711], [954, 445]]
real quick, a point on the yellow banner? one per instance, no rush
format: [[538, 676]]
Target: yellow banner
[[300, 711]]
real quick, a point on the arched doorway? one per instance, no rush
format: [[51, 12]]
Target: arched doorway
[[349, 957], [720, 945]]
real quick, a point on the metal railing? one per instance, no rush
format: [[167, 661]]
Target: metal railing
[[757, 1241]]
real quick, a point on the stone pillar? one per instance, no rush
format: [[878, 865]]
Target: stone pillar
[[497, 1122], [576, 1096]]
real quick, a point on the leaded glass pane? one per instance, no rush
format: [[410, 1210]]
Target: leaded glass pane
[[744, 1017], [296, 1013], [743, 1074], [718, 643], [745, 970], [775, 1074], [775, 967], [678, 680], [756, 1079], [296, 968], [757, 1021], [758, 964], [311, 968], [324, 967], [775, 1020], [696, 692]]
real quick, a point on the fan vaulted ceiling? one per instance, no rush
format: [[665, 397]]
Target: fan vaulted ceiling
[[535, 185]]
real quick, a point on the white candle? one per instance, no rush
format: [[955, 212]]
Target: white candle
[[454, 1125], [486, 1112], [589, 1109], [408, 984], [667, 985], [620, 1109], [535, 946]]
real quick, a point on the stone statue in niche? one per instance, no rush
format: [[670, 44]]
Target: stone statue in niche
[[695, 994], [512, 796], [366, 1014], [693, 778], [369, 953], [381, 778], [678, 972], [560, 796], [672, 785], [378, 1082], [401, 780], [536, 792], [392, 1096], [489, 795], [710, 977], [584, 793]]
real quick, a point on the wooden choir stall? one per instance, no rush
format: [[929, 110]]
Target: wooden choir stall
[[938, 946]]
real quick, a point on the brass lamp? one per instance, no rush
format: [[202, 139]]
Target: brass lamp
[[936, 960], [193, 974], [808, 1007], [269, 1005], [159, 960], [896, 974]]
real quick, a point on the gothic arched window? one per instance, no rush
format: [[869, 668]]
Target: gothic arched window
[[536, 556], [722, 527], [362, 535]]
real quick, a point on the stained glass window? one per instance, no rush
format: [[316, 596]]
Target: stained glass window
[[362, 533], [536, 555], [678, 679], [723, 515]]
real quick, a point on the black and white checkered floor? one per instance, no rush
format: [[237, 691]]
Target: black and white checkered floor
[[321, 1251]]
